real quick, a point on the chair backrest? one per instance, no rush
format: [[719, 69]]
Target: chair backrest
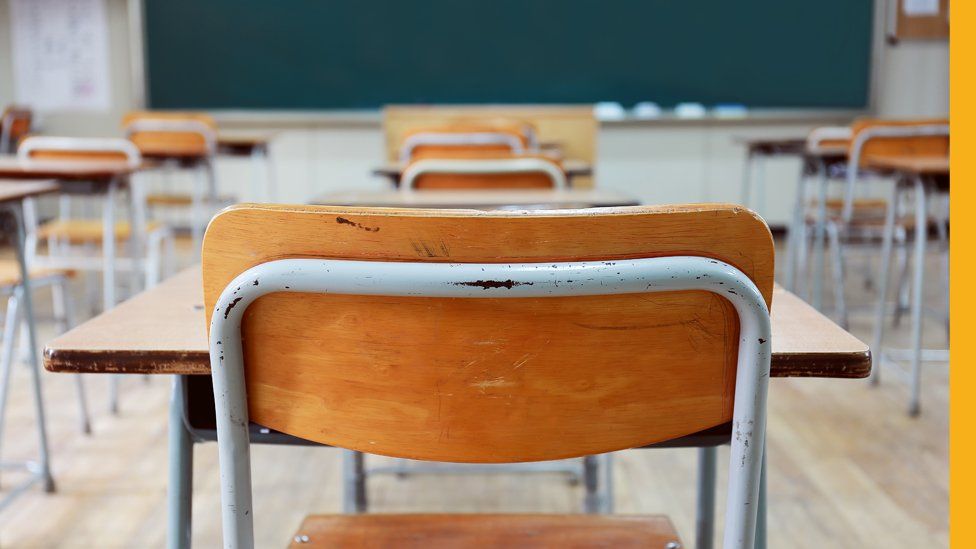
[[874, 138], [396, 332], [483, 380], [459, 140], [94, 149], [485, 171], [829, 138], [15, 124], [898, 138], [172, 134], [573, 128]]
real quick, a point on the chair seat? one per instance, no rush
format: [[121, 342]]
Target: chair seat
[[10, 273], [432, 531], [79, 231]]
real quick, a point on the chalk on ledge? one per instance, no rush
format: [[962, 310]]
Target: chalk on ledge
[[730, 110], [609, 110], [647, 109], [689, 110]]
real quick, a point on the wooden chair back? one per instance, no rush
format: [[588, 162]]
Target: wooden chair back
[[421, 143], [82, 149], [172, 134], [919, 145], [499, 171], [487, 380], [573, 128], [14, 126]]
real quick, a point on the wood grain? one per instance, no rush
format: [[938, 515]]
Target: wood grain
[[488, 380], [19, 190], [88, 170], [482, 199], [165, 333], [900, 147], [526, 531], [573, 128]]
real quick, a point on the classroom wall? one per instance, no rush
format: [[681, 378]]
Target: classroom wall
[[675, 161]]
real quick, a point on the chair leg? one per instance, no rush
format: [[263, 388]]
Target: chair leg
[[591, 484], [921, 237], [61, 304], [904, 289], [705, 519], [837, 263], [354, 482], [887, 238], [154, 252], [7, 357]]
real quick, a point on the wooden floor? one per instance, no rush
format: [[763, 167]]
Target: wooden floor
[[848, 468]]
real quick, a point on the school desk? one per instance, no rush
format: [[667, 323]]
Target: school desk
[[573, 168], [480, 199], [12, 194], [255, 146], [165, 333]]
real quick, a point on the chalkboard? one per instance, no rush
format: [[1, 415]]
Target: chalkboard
[[318, 54]]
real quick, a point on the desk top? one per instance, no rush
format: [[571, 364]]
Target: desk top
[[790, 146], [480, 199], [11, 190], [242, 144], [163, 331], [919, 165], [12, 168], [572, 168]]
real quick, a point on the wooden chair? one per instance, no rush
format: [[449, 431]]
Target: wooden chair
[[180, 140], [458, 141], [484, 170], [14, 125], [488, 337], [568, 131], [67, 238]]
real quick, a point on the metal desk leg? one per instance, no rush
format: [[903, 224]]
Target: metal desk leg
[[921, 236], [137, 232], [179, 496], [879, 308], [819, 235], [606, 480], [108, 276], [353, 482], [28, 310], [761, 185], [705, 517], [591, 483]]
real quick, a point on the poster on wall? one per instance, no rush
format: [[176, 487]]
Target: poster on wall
[[60, 54]]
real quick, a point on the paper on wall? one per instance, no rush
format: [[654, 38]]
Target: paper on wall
[[60, 54], [921, 8]]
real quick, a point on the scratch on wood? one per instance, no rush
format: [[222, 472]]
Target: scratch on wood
[[344, 221]]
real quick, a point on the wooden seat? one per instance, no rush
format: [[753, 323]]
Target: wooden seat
[[522, 531], [10, 273], [183, 134], [79, 231], [180, 199], [491, 178]]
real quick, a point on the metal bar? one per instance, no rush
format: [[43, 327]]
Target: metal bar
[[747, 180], [10, 329], [591, 485], [529, 280], [354, 482], [108, 276], [705, 517], [887, 240], [28, 316], [179, 495], [921, 238], [819, 235], [796, 230]]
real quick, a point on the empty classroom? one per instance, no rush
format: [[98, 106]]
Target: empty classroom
[[445, 274]]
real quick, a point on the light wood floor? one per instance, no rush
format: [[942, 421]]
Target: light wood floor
[[848, 468]]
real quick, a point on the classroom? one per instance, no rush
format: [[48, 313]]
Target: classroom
[[453, 274]]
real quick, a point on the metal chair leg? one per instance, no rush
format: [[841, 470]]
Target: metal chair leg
[[179, 496], [10, 326], [591, 484], [921, 237], [705, 517], [837, 267], [880, 306], [354, 498], [63, 314], [904, 293]]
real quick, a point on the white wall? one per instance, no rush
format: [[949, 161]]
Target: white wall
[[657, 162]]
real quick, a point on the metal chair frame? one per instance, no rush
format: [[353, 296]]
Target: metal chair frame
[[439, 280]]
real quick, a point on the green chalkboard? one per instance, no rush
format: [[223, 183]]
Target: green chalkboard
[[319, 54]]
